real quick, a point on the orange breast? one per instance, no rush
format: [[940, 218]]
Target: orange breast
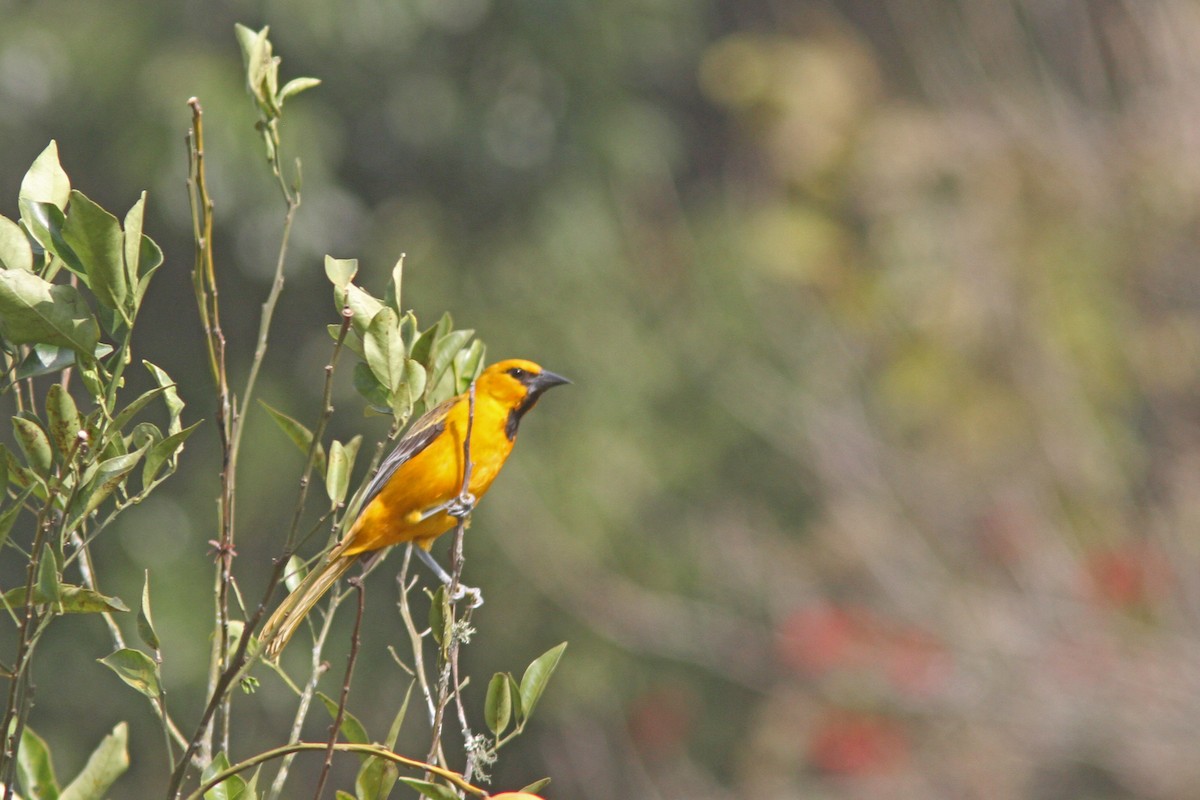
[[432, 478]]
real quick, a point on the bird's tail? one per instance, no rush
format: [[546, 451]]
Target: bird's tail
[[282, 624]]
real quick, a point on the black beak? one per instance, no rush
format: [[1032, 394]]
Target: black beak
[[545, 380]]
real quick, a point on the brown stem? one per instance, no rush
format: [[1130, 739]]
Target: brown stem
[[336, 727]]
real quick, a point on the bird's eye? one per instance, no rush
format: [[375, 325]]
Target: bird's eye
[[517, 373]]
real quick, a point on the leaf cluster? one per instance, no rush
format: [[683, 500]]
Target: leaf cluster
[[72, 281], [401, 370]]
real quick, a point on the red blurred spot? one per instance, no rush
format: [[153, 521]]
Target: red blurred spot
[[916, 663], [817, 639], [660, 719], [848, 743], [823, 638], [1130, 576]]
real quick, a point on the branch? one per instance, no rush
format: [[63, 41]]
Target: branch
[[335, 728], [375, 750]]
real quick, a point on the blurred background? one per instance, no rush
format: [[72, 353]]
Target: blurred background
[[878, 475]]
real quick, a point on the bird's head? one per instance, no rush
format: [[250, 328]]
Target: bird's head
[[516, 384]]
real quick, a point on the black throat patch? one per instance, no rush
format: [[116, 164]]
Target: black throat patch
[[514, 416]]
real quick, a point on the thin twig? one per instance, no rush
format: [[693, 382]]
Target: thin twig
[[28, 633], [448, 669], [415, 637], [240, 661], [340, 716], [306, 695], [204, 282]]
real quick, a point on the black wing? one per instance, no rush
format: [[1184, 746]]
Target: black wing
[[415, 439]]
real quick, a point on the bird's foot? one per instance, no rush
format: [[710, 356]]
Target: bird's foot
[[461, 506], [470, 593]]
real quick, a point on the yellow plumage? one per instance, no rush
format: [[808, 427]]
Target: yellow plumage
[[407, 499]]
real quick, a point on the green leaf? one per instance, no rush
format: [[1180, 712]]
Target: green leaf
[[435, 791], [132, 240], [63, 420], [150, 258], [71, 600], [337, 477], [251, 792], [232, 788], [110, 473], [10, 514], [341, 795], [35, 311], [130, 411], [375, 779], [142, 255], [537, 675], [15, 251], [34, 444], [444, 351], [296, 86], [398, 720], [135, 668], [497, 707], [352, 447], [262, 69], [35, 767], [367, 385], [424, 344], [95, 236], [351, 728], [392, 295], [236, 628], [46, 181], [439, 615], [340, 272], [362, 304], [79, 600], [300, 435], [536, 786], [165, 452], [353, 342], [514, 692], [48, 583], [409, 391], [468, 363], [145, 622], [44, 223], [21, 476], [384, 349], [295, 573], [44, 359], [144, 434], [107, 763], [408, 331], [171, 396]]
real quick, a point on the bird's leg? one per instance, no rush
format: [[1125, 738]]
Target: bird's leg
[[463, 590], [459, 507]]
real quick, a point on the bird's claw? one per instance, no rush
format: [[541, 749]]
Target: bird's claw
[[461, 506], [463, 592]]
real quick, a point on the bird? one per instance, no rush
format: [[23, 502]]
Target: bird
[[417, 493]]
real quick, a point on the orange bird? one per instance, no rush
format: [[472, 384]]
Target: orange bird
[[416, 492]]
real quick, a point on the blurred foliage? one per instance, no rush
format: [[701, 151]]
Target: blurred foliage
[[877, 479]]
